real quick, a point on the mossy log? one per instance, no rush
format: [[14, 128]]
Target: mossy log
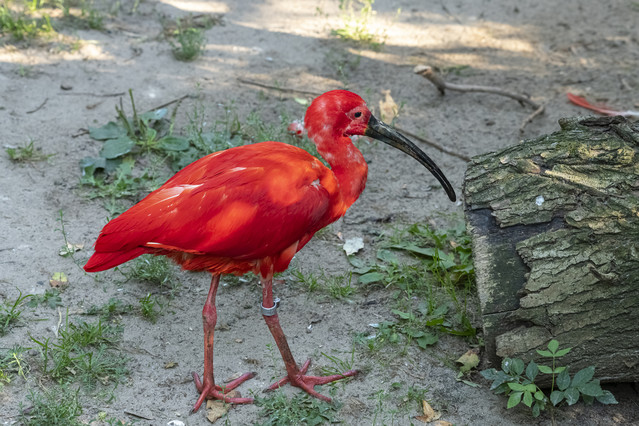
[[555, 229]]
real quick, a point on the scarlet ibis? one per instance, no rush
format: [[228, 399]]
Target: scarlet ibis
[[251, 208]]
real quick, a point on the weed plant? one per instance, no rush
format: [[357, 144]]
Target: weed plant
[[517, 381], [10, 312], [53, 407]]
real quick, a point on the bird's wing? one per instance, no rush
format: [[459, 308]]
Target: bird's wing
[[243, 203]]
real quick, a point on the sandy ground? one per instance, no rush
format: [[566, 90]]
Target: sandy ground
[[542, 49]]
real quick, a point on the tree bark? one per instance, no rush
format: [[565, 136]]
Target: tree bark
[[555, 229]]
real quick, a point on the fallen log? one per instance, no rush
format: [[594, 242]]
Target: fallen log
[[555, 229]]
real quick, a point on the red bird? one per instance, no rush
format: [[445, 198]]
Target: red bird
[[251, 208]]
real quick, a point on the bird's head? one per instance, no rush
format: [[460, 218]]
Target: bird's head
[[340, 113]]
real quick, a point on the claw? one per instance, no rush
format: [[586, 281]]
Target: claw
[[308, 383], [213, 391]]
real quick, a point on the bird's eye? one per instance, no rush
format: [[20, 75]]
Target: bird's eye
[[358, 114]]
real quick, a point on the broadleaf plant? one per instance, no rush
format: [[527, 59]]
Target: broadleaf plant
[[517, 381]]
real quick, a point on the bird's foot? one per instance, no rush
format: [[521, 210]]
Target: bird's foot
[[308, 383], [209, 390]]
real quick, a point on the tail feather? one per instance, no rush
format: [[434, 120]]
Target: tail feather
[[101, 261]]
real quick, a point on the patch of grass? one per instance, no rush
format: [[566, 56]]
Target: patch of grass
[[153, 269], [85, 353], [336, 286], [188, 45], [27, 153], [20, 25], [148, 308], [356, 19], [51, 298], [10, 312], [109, 310], [12, 362], [339, 365], [186, 35], [431, 286], [54, 407], [300, 409], [517, 381]]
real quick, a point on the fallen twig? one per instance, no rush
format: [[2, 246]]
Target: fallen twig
[[280, 89], [97, 95], [430, 74], [531, 117], [38, 108], [164, 105]]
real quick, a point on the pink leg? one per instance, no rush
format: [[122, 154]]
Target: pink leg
[[207, 388], [294, 375]]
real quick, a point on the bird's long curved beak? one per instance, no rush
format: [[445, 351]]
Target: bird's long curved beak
[[381, 131]]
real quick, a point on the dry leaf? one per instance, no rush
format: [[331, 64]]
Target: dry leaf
[[70, 248], [216, 409], [170, 364], [353, 245], [388, 108], [429, 414], [469, 360], [59, 279], [442, 423]]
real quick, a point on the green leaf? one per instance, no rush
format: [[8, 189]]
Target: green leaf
[[110, 130], [606, 398], [489, 374], [556, 397], [545, 354], [591, 389], [539, 395], [528, 399], [517, 387], [583, 376], [387, 256], [90, 165], [562, 352], [563, 380], [571, 395], [424, 251], [404, 315], [371, 277], [536, 409], [517, 366], [558, 370], [427, 340], [531, 371], [173, 143], [545, 369], [553, 345], [114, 148], [514, 399], [158, 114]]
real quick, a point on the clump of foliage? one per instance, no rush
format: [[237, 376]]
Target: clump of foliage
[[517, 381], [300, 409], [27, 153], [84, 352], [432, 275], [356, 23], [10, 312], [55, 407]]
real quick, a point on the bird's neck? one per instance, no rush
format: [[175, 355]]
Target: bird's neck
[[348, 165]]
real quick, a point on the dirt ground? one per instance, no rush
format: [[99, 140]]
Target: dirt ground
[[543, 49]]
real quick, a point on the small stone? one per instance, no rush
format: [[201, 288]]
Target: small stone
[[65, 86]]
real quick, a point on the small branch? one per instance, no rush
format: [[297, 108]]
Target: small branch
[[531, 117], [164, 105], [38, 108], [434, 145], [97, 95], [428, 73], [280, 89]]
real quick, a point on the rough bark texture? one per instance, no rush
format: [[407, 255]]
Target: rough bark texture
[[555, 228]]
